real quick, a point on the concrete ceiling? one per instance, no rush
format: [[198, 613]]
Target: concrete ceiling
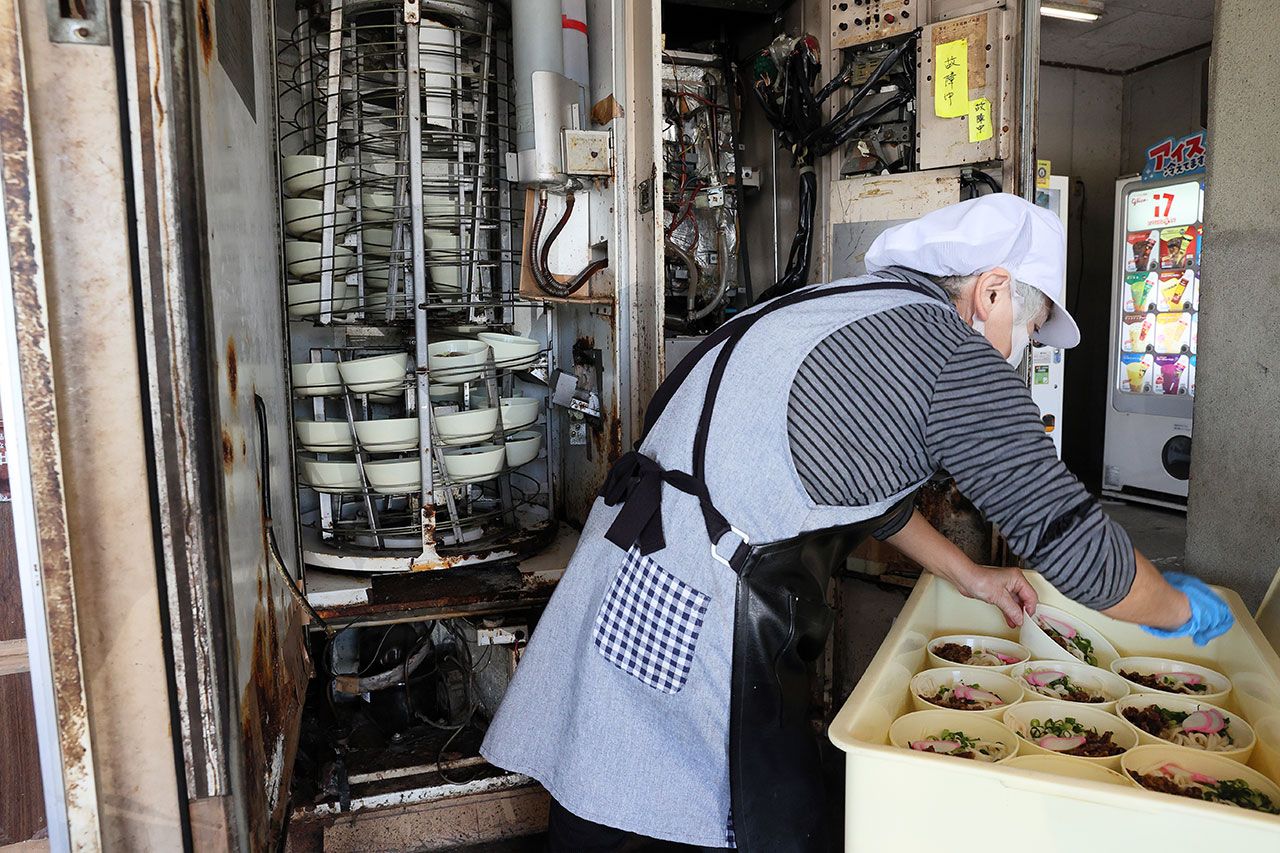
[[1129, 33]]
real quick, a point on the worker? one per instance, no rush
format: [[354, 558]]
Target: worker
[[665, 691]]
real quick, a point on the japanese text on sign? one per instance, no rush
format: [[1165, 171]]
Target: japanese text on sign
[[1173, 157], [979, 120], [951, 79]]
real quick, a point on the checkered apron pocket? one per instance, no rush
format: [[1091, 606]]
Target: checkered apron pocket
[[649, 623]]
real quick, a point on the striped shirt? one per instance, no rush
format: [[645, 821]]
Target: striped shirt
[[887, 401]]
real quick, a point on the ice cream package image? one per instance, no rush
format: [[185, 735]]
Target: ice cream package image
[[1142, 251], [1140, 290], [1173, 332], [1137, 331], [1135, 373], [1178, 247], [1170, 374], [1177, 290]]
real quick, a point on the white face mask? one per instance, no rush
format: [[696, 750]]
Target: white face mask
[[1019, 337]]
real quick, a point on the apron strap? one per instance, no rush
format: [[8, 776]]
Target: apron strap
[[636, 481]]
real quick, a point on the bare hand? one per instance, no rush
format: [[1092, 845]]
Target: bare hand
[[1006, 589]]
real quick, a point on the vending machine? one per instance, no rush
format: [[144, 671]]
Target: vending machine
[[1154, 303], [1048, 364]]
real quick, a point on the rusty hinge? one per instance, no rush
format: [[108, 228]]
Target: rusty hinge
[[644, 195], [78, 21]]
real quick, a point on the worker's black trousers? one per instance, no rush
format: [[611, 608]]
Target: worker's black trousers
[[568, 833]]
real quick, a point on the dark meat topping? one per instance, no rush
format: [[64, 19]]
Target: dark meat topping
[[954, 652]]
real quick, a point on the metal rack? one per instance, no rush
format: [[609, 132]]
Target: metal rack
[[406, 111]]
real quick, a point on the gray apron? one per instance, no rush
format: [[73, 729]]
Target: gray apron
[[725, 553]]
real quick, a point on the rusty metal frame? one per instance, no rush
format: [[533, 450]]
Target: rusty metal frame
[[35, 460]]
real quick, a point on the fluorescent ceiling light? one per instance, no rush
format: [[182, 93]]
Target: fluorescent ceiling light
[[1083, 10]]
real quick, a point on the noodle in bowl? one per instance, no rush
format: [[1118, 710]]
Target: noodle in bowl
[[1070, 681], [1207, 727]]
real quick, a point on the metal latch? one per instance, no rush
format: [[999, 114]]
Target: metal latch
[[78, 21]]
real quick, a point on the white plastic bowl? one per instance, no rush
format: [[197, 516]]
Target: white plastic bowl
[[304, 175], [1146, 759], [1093, 678], [455, 362], [316, 379], [921, 725], [523, 447], [928, 682], [376, 373], [444, 260], [1241, 732], [981, 643], [377, 241], [323, 436], [304, 217], [518, 412], [391, 435], [1044, 648], [511, 351], [394, 476], [304, 259], [1219, 684], [1020, 717], [1068, 766], [331, 477], [377, 206], [469, 427], [473, 464], [304, 298]]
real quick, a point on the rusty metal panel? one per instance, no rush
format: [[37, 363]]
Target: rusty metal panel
[[42, 529]]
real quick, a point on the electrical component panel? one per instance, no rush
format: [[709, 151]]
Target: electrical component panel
[[860, 21], [977, 128]]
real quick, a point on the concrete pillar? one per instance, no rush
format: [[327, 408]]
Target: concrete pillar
[[1233, 529]]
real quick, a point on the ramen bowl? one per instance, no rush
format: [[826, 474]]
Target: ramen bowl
[[316, 378], [1020, 718], [523, 447], [305, 259], [323, 436], [305, 300], [331, 477], [376, 373], [1216, 685], [469, 427], [518, 412], [1091, 678], [917, 726], [389, 435], [455, 362], [304, 217], [394, 476], [473, 464], [1043, 647], [1234, 728], [511, 351], [1065, 765], [1016, 652], [1183, 762], [305, 175], [928, 683]]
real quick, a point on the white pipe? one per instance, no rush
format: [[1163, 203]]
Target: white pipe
[[538, 46], [577, 58]]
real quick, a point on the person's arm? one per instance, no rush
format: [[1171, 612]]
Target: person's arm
[[1006, 589], [1151, 600]]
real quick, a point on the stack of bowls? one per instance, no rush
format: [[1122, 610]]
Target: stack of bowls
[[304, 178]]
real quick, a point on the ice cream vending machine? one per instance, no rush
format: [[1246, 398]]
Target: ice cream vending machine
[[1048, 364], [1154, 301]]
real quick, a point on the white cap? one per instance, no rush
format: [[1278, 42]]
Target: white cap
[[994, 230]]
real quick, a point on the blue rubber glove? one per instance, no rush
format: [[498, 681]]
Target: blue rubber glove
[[1210, 615]]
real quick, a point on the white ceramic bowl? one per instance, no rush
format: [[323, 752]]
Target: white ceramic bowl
[[993, 645], [323, 436], [316, 379], [390, 435], [473, 464], [376, 373], [444, 260], [331, 477], [1219, 686], [1066, 765], [304, 175], [304, 298], [1241, 732], [377, 241], [394, 476], [304, 217], [1091, 678], [1020, 718], [304, 259], [928, 682], [1044, 648], [469, 427], [377, 206], [1150, 758], [523, 447], [511, 351], [518, 412], [455, 362], [923, 725], [437, 207]]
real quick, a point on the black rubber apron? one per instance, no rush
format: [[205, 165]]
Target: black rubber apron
[[781, 615]]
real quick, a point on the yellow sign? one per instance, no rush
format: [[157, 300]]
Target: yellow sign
[[980, 120], [1043, 169], [951, 79]]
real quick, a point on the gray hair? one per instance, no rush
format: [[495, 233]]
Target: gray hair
[[1034, 302]]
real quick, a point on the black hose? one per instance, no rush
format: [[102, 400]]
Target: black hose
[[542, 275], [798, 261]]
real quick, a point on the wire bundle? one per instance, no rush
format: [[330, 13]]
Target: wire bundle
[[784, 76]]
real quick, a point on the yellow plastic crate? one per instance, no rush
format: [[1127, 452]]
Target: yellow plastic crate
[[897, 801]]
